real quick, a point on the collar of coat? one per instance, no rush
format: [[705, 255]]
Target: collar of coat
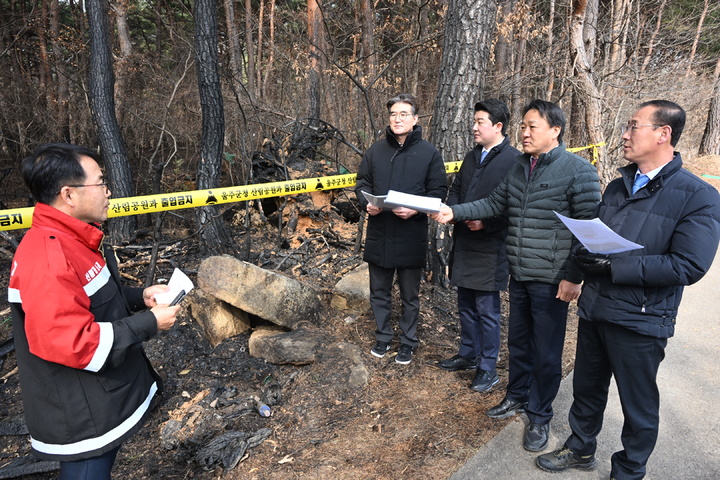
[[477, 150], [547, 157], [52, 219], [413, 137], [628, 172]]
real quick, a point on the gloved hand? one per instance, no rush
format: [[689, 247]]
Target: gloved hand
[[590, 263]]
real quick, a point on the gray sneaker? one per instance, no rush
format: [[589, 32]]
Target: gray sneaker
[[404, 355], [380, 349]]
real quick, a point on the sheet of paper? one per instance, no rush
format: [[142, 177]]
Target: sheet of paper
[[597, 237], [416, 202], [375, 200], [178, 282]]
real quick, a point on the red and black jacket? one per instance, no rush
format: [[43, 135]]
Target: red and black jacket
[[86, 382]]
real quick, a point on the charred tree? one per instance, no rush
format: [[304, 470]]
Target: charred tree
[[314, 39], [102, 107], [213, 234]]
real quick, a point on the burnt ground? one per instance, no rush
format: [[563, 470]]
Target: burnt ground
[[413, 421]]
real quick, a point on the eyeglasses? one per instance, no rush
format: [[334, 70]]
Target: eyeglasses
[[92, 185], [401, 115], [634, 126]]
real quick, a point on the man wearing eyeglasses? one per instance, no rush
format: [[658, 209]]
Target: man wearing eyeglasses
[[629, 301], [396, 240], [86, 383]]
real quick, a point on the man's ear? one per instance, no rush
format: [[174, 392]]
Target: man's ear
[[66, 197], [557, 129], [665, 134]]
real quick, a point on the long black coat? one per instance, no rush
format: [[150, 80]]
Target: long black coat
[[415, 167], [479, 258]]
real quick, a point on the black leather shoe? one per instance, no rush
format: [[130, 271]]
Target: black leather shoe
[[536, 436], [563, 459], [458, 362], [506, 408], [484, 381]]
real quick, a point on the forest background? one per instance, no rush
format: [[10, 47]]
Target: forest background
[[183, 95]]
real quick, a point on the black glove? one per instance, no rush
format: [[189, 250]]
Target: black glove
[[590, 263]]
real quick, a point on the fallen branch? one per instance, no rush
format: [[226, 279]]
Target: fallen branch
[[130, 277], [9, 238]]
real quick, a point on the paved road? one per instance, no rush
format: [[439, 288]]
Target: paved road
[[689, 380]]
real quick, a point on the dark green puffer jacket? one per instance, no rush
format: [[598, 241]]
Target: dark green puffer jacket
[[538, 243]]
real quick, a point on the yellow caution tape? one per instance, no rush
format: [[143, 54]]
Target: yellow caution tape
[[22, 217], [18, 218], [595, 151]]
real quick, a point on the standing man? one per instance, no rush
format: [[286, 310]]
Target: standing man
[[86, 382], [630, 300], [543, 279], [479, 259], [397, 239]]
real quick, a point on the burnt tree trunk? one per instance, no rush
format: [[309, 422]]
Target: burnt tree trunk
[[102, 107], [314, 40], [213, 234]]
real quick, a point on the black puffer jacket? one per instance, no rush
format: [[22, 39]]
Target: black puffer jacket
[[538, 243], [676, 218], [479, 260], [415, 167]]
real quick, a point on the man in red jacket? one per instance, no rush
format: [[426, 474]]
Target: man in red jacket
[[86, 383]]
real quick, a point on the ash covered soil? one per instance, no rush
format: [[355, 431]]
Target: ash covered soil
[[413, 421]]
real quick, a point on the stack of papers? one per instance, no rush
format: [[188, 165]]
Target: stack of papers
[[395, 199]]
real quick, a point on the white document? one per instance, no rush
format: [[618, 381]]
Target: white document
[[596, 236], [416, 202], [375, 200], [180, 285]]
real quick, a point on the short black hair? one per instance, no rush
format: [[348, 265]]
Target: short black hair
[[670, 114], [52, 166], [551, 112], [403, 98], [497, 111]]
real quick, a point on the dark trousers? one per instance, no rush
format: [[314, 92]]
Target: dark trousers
[[605, 350], [95, 468], [536, 336], [381, 282], [479, 326]]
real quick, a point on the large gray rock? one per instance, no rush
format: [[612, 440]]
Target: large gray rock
[[352, 292], [218, 320], [274, 297], [298, 347]]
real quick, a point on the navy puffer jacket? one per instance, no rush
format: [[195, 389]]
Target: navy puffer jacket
[[676, 218]]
